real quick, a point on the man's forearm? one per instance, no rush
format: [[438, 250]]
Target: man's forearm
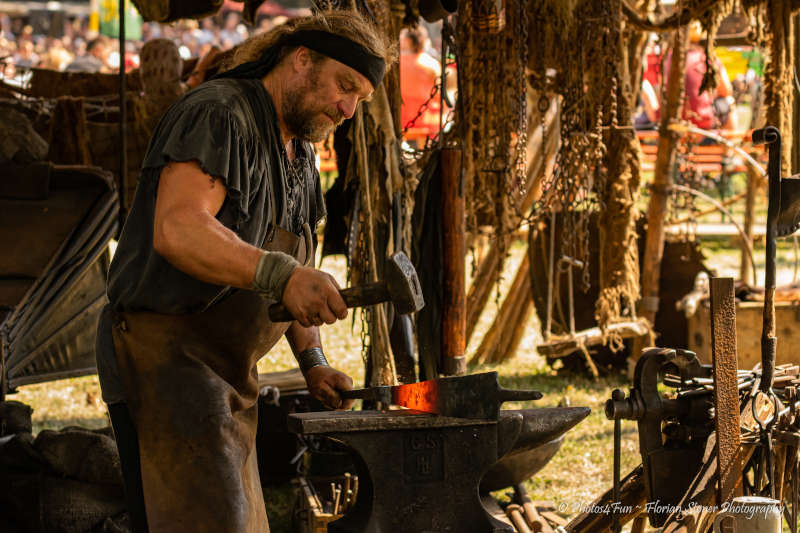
[[301, 338], [307, 347], [197, 244]]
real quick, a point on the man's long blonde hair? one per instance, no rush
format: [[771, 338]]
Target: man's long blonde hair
[[345, 23]]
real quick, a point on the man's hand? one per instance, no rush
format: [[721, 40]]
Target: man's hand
[[312, 296], [324, 383]]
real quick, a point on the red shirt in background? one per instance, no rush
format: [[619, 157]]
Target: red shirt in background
[[418, 75]]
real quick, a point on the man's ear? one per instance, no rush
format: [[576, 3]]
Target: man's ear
[[301, 59]]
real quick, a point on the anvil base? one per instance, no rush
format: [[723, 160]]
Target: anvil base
[[418, 473]]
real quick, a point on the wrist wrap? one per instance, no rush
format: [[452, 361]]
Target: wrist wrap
[[272, 273]]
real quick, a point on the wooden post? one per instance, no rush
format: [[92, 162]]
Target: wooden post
[[662, 180], [753, 179], [454, 305]]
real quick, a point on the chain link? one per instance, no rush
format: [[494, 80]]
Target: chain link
[[448, 46], [422, 108]]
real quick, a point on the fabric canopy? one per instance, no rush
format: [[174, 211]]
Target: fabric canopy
[[55, 226]]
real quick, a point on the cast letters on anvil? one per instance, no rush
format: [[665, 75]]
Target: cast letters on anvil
[[423, 457]]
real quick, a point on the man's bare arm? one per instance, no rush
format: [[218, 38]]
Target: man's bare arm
[[301, 338], [187, 234]]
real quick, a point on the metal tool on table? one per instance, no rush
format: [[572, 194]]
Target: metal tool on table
[[401, 287], [476, 396]]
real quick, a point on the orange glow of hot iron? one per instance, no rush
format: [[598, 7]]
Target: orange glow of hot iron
[[422, 396]]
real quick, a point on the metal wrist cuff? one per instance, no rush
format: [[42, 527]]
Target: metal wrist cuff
[[308, 359]]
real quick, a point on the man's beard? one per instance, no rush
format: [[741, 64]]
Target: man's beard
[[308, 122]]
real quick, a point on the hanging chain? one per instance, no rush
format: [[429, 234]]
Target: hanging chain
[[522, 99], [364, 314], [423, 108], [448, 45]]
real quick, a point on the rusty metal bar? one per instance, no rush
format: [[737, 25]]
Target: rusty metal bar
[[726, 390]]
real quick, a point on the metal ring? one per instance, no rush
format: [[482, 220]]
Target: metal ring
[[770, 420], [543, 104]]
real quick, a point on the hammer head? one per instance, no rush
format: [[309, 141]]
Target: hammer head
[[403, 284]]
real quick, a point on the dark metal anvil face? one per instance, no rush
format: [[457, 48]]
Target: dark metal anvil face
[[421, 472]]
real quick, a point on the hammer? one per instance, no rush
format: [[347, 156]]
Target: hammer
[[401, 287]]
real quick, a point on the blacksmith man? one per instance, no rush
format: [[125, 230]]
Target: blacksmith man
[[221, 227]]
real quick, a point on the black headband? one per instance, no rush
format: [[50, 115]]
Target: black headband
[[334, 46]]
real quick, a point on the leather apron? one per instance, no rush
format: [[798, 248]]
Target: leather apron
[[192, 389]]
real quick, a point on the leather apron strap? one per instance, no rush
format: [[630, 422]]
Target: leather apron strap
[[192, 388]]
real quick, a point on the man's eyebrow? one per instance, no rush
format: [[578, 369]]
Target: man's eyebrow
[[349, 78]]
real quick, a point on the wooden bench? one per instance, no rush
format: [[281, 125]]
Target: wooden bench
[[716, 159]]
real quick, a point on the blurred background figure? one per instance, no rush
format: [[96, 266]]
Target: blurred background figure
[[25, 56], [712, 109], [233, 32], [707, 109], [95, 59], [419, 73], [56, 56], [649, 110]]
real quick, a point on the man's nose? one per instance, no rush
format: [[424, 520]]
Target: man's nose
[[348, 106]]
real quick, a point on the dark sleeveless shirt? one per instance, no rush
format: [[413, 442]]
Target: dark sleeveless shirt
[[229, 127], [219, 125]]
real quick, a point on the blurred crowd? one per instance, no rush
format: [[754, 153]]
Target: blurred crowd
[[734, 104], [77, 48], [68, 44]]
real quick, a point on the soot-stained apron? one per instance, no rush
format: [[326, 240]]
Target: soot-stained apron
[[192, 388]]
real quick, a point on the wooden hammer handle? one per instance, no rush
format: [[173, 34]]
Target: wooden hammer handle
[[363, 295]]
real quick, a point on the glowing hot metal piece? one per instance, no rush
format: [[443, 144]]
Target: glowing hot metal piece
[[472, 396]]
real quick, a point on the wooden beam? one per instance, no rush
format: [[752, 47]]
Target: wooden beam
[[518, 297], [561, 345], [454, 317], [753, 181]]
